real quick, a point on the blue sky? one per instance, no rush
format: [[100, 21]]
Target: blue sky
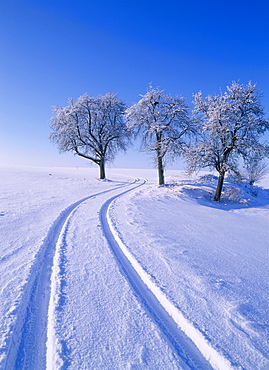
[[55, 49]]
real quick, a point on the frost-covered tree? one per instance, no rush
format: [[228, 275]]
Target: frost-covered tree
[[255, 169], [230, 126], [162, 122], [93, 128]]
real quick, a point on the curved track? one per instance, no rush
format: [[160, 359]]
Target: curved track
[[32, 344], [27, 343], [150, 297]]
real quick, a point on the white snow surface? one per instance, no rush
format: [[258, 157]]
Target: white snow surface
[[192, 293]]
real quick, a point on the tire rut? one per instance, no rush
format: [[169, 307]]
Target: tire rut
[[26, 347], [193, 351]]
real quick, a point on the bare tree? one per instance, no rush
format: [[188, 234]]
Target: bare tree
[[230, 126], [162, 122], [92, 128]]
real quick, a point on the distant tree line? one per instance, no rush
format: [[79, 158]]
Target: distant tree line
[[219, 131]]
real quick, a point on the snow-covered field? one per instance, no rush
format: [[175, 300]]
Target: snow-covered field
[[123, 274]]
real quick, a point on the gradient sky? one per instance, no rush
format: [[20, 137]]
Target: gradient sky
[[55, 49]]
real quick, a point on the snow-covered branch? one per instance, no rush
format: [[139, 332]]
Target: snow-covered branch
[[229, 126], [93, 128], [162, 122]]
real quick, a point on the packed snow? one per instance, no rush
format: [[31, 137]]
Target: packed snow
[[124, 274]]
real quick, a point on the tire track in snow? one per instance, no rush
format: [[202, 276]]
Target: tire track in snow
[[57, 356], [194, 351], [26, 347]]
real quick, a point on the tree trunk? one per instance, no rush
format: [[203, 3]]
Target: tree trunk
[[219, 187], [102, 169], [160, 170], [160, 158]]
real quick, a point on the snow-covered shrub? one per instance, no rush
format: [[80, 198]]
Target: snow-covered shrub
[[255, 170], [232, 194]]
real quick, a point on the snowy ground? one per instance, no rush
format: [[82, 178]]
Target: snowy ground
[[136, 276]]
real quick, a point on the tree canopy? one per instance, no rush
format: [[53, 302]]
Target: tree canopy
[[225, 128], [93, 128], [229, 126], [162, 122]]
